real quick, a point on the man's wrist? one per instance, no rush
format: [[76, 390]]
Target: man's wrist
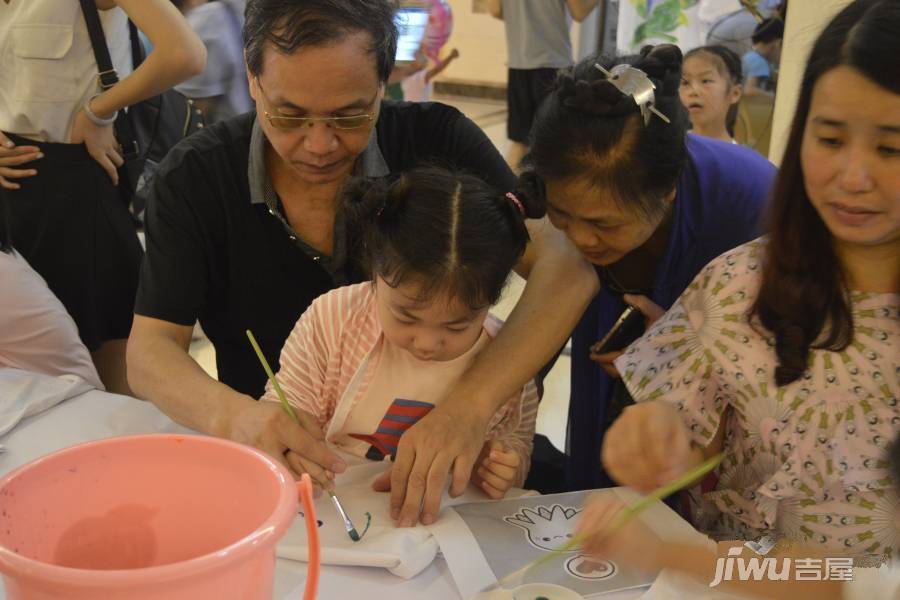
[[480, 405], [220, 421]]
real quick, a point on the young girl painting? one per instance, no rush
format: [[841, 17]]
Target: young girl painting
[[367, 361]]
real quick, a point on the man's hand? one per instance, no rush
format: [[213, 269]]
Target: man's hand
[[444, 439], [648, 446], [497, 468], [13, 156], [300, 448], [101, 144]]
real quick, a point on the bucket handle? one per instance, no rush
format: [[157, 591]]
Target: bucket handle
[[305, 490]]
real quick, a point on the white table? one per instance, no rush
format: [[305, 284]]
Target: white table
[[96, 415]]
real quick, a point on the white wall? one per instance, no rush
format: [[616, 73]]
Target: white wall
[[481, 41], [805, 20]]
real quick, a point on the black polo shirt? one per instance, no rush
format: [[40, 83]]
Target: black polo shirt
[[214, 255]]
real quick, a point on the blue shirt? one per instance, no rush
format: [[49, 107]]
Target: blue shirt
[[718, 205], [755, 65]]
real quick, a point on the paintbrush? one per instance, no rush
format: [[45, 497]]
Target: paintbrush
[[348, 524], [625, 515]]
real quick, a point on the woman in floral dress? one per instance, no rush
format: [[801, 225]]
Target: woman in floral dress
[[785, 352]]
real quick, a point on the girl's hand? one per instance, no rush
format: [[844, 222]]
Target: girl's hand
[[101, 144], [648, 446], [496, 470], [633, 544], [13, 156]]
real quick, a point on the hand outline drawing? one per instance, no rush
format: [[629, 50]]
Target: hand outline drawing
[[546, 527]]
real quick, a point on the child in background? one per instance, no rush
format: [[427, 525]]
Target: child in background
[[758, 63], [418, 86], [367, 361], [711, 90]]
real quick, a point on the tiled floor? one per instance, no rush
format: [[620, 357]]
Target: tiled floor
[[552, 416]]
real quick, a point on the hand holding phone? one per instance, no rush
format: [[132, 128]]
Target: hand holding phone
[[627, 328]]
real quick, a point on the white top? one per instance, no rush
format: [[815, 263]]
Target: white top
[[36, 332], [401, 376], [47, 65]]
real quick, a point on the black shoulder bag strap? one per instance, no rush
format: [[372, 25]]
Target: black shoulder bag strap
[[107, 76]]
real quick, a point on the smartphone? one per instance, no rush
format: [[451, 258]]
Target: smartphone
[[627, 328], [411, 22]]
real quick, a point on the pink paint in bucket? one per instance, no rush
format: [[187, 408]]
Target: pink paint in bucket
[[148, 517]]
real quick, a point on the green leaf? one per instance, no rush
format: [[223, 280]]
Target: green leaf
[[639, 35], [641, 7], [644, 32], [665, 15], [665, 36]]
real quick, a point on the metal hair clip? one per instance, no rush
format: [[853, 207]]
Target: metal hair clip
[[635, 83]]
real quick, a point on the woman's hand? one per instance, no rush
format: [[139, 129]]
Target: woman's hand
[[648, 446], [633, 543], [101, 144], [651, 311], [13, 156], [496, 469]]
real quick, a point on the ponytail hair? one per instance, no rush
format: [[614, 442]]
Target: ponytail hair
[[449, 231]]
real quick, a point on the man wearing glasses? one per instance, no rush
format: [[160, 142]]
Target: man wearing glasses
[[243, 232]]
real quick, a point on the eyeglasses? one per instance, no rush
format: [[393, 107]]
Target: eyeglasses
[[343, 123]]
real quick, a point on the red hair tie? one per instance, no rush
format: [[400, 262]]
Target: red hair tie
[[517, 202]]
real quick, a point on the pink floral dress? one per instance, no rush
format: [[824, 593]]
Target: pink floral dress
[[805, 461]]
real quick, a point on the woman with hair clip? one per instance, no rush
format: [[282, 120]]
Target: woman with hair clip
[[783, 353], [644, 201]]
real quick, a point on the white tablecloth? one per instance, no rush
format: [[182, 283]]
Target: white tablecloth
[[96, 415]]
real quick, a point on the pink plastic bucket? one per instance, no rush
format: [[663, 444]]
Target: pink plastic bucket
[[146, 517]]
